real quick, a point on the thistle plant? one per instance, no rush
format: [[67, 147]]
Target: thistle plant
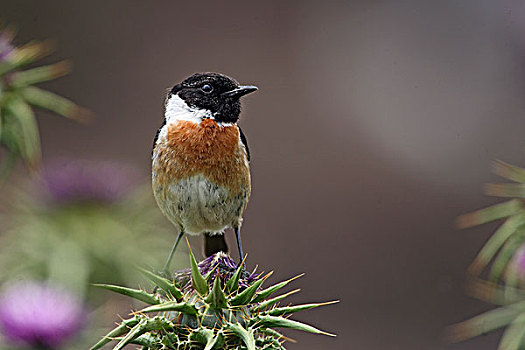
[[19, 136], [75, 223], [497, 273], [213, 305]]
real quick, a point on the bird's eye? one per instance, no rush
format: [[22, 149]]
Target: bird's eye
[[207, 88]]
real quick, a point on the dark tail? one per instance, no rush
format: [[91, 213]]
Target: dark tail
[[214, 244]]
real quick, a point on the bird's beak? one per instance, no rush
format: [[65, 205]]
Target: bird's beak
[[240, 91]]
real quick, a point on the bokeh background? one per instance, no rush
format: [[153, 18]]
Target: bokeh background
[[373, 128]]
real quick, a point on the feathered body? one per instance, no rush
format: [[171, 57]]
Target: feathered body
[[201, 175]]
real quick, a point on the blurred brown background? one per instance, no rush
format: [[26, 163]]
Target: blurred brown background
[[373, 129]]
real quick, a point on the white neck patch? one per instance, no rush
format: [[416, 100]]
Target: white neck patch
[[177, 109]]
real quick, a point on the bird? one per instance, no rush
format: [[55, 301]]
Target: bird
[[201, 161]]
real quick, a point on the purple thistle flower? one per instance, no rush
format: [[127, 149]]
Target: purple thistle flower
[[39, 314], [5, 45], [77, 181], [221, 264]]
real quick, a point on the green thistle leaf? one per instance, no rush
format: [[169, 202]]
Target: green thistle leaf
[[206, 337], [134, 293], [148, 341], [246, 335], [272, 289], [246, 295], [198, 282], [505, 256], [496, 241], [505, 190], [270, 302], [28, 128], [134, 333], [40, 74], [288, 310], [216, 297], [508, 171], [172, 306], [233, 283], [486, 322], [492, 213], [117, 332], [145, 325], [55, 103], [163, 283], [281, 322], [28, 54], [514, 336]]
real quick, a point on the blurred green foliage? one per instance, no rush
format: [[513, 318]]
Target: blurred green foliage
[[19, 135], [497, 273], [82, 242]]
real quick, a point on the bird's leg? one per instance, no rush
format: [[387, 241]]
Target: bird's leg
[[239, 244], [170, 257]]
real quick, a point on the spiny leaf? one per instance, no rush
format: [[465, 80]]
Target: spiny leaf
[[245, 335], [233, 283], [492, 213], [29, 53], [135, 332], [508, 171], [486, 322], [271, 321], [55, 103], [216, 297], [205, 336], [211, 342], [493, 293], [130, 292], [172, 306], [28, 127], [148, 341], [118, 331], [514, 336], [287, 310], [163, 283], [273, 333], [272, 289], [495, 242], [246, 295], [145, 325], [209, 275], [40, 74], [505, 190], [198, 282], [267, 303], [505, 255]]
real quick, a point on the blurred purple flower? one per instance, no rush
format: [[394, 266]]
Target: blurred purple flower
[[76, 181], [39, 314], [5, 45], [222, 264], [519, 261]]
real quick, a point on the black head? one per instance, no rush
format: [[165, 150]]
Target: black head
[[215, 92]]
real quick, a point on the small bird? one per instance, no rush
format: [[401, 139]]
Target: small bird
[[200, 165]]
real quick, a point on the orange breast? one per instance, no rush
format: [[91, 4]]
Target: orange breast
[[190, 149]]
